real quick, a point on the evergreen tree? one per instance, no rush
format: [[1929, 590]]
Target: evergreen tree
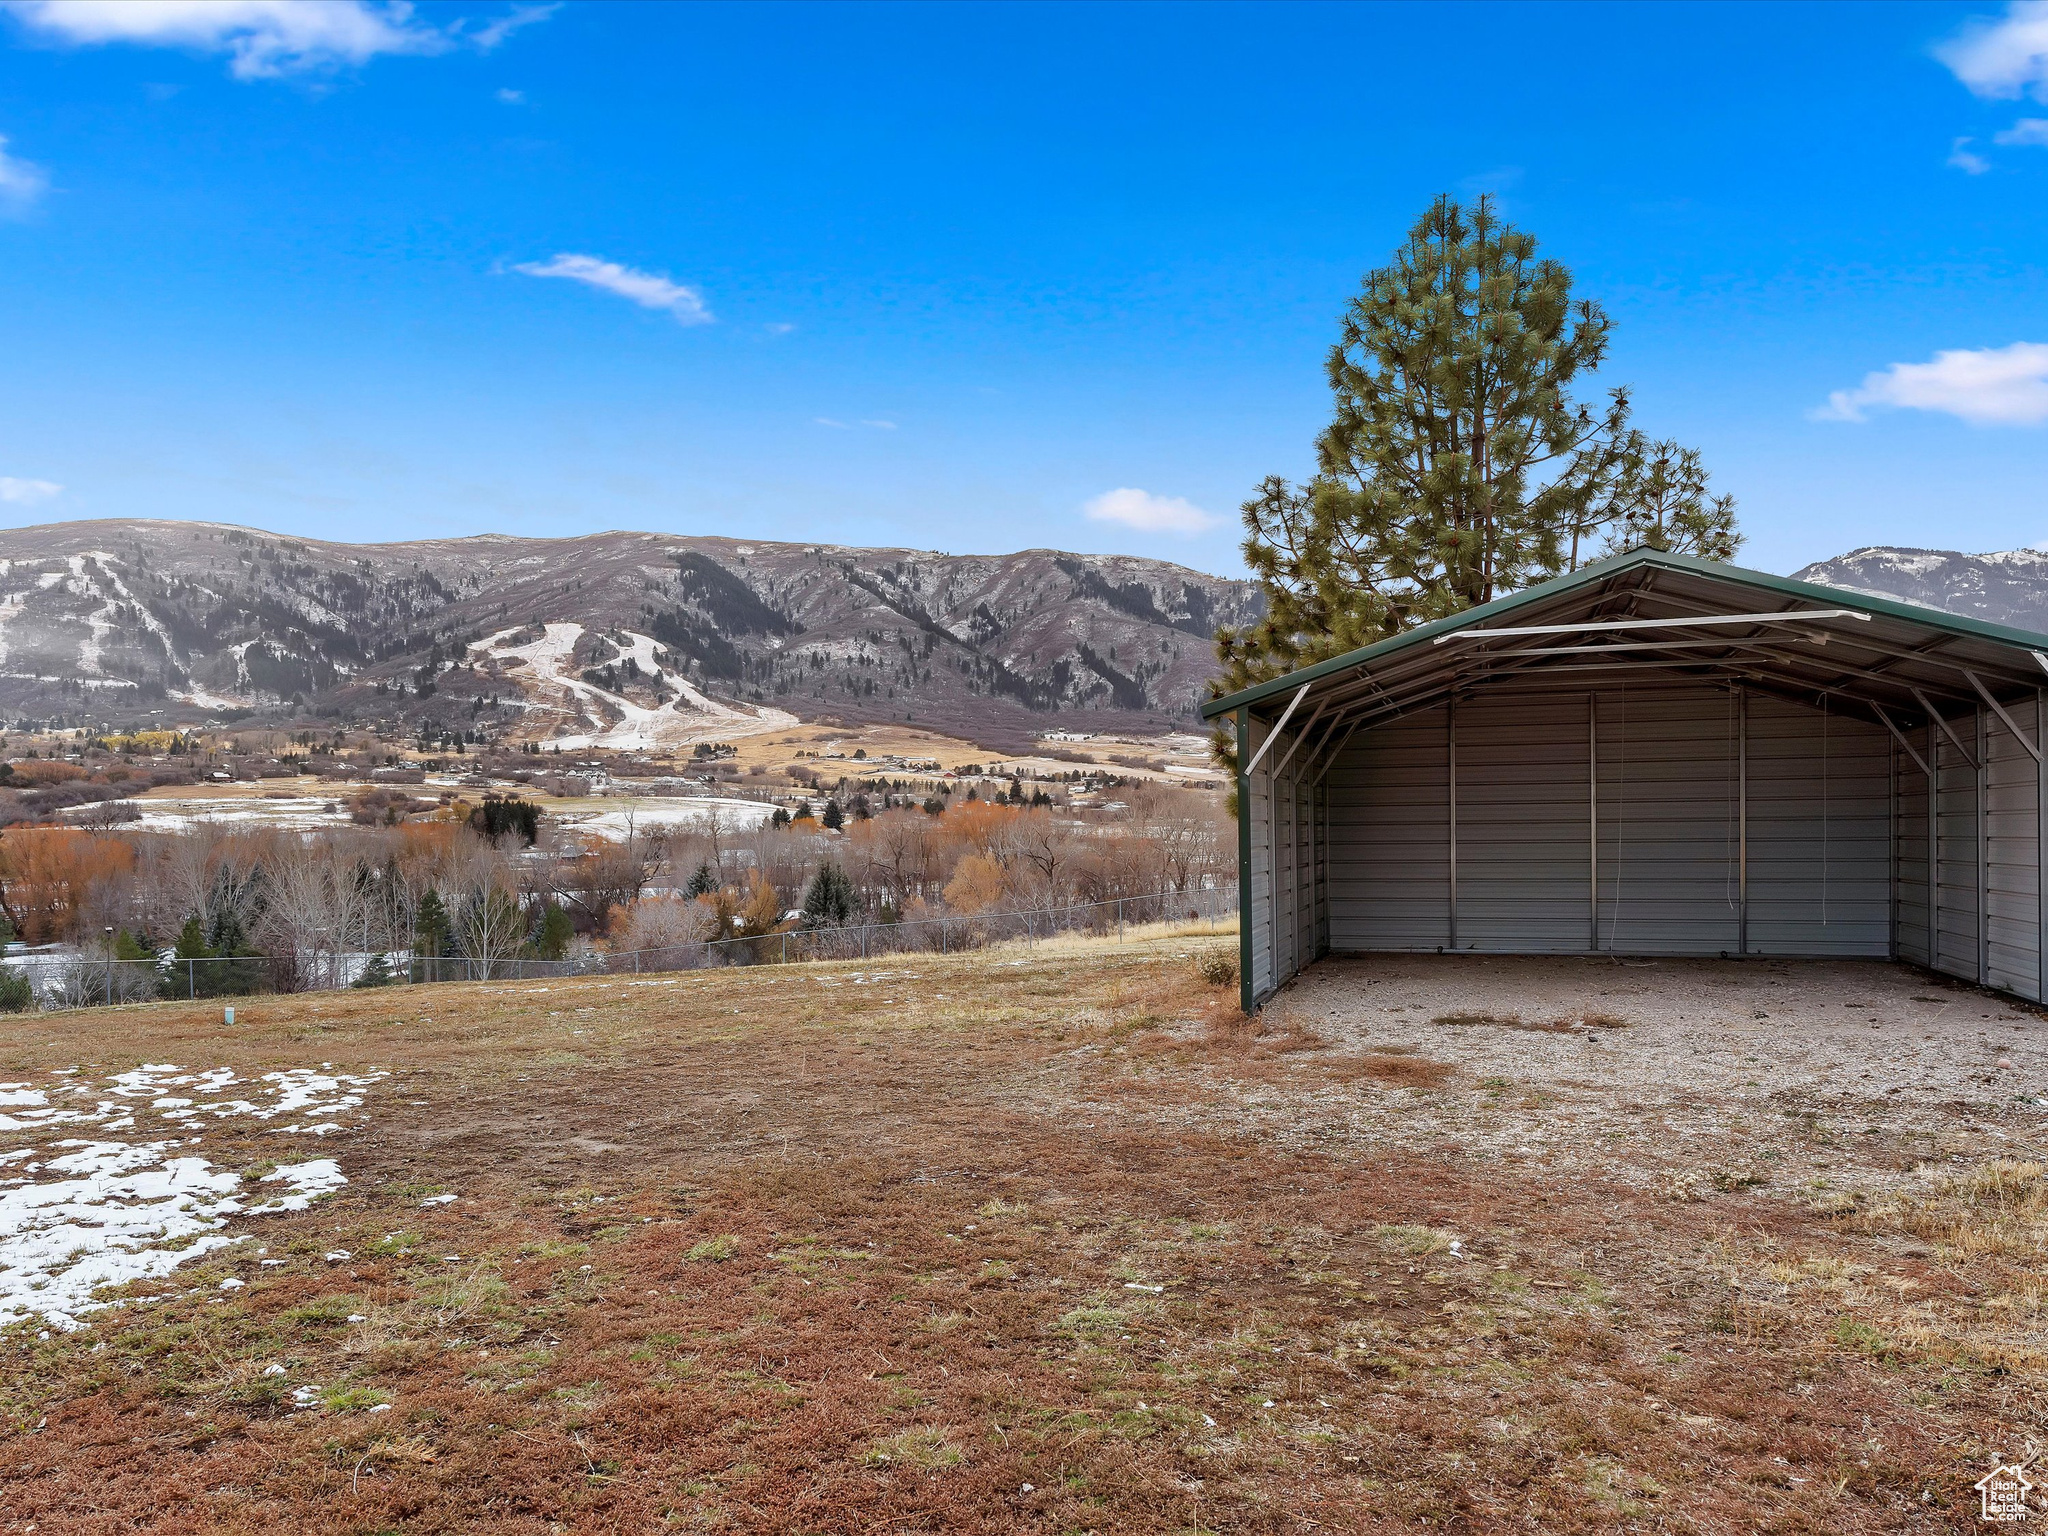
[[376, 973], [430, 926], [556, 932], [834, 818], [830, 897], [237, 968], [803, 812], [188, 973], [703, 882], [1667, 506], [780, 818], [1458, 465]]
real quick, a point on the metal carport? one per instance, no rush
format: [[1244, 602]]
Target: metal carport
[[1654, 755]]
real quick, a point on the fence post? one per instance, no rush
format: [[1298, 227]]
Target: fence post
[[191, 978], [785, 947], [1119, 919], [636, 962]]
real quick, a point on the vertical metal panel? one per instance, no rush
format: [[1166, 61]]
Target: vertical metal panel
[[2012, 817], [1667, 821], [1390, 837], [1592, 821], [1451, 809], [1909, 841], [1819, 831], [1891, 821], [1955, 878], [1983, 852], [1256, 807], [1524, 782], [1246, 993], [1742, 821], [2041, 846]]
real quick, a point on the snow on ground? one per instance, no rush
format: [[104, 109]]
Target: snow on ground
[[618, 722], [652, 815], [77, 1214], [298, 813]]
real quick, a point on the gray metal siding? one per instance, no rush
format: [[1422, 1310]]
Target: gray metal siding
[[1524, 772], [1669, 836], [1956, 852], [1909, 833], [1257, 809], [2012, 852], [1389, 858], [1819, 833], [1402, 845]]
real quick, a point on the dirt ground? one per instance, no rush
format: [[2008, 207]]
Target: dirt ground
[[1052, 1239]]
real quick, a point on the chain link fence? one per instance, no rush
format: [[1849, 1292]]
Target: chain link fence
[[68, 979]]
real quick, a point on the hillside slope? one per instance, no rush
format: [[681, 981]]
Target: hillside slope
[[670, 638]]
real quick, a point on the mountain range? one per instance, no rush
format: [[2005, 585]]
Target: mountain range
[[2010, 587], [619, 639]]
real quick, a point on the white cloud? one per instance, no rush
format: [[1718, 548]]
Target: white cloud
[[1148, 513], [1992, 386], [778, 327], [26, 493], [649, 290], [510, 97], [20, 182], [880, 426], [494, 32], [2004, 57], [827, 421], [1963, 158], [265, 39], [2028, 130]]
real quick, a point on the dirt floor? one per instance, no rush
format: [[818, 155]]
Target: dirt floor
[[1052, 1239]]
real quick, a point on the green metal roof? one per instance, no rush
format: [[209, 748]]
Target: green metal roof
[[1601, 570]]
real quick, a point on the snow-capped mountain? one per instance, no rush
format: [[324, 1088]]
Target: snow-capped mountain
[[595, 636], [2010, 587]]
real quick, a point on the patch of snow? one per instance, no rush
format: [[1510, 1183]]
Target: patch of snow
[[619, 723], [103, 1213]]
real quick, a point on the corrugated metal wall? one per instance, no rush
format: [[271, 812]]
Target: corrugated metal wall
[[1256, 909], [1524, 855], [1390, 837], [1670, 824], [1820, 880], [1957, 851], [1910, 904], [2012, 858], [1653, 820]]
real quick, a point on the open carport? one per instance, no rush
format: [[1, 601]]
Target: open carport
[[1654, 755]]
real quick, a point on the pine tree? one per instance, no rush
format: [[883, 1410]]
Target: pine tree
[[1667, 506], [1458, 465], [430, 930], [236, 969], [375, 973], [430, 926], [556, 933], [833, 818], [703, 882], [831, 897]]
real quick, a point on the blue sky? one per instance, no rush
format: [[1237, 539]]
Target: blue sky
[[951, 276]]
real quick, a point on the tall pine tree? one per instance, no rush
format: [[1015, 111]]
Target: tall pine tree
[[1459, 465]]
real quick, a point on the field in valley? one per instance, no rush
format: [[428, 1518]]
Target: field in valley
[[1041, 1238]]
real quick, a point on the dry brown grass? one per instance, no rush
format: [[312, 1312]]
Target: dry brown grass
[[935, 1249]]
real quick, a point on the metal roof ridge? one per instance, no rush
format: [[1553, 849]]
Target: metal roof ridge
[[1841, 597]]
